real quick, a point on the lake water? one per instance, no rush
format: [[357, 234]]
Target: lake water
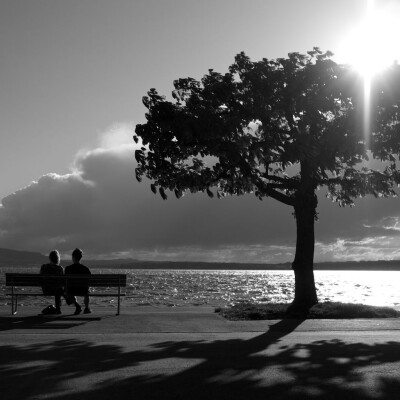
[[174, 288]]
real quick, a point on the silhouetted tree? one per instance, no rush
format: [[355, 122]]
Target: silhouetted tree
[[276, 128]]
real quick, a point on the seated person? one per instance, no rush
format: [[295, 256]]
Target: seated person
[[79, 289], [52, 287]]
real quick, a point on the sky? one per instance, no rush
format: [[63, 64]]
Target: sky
[[72, 77]]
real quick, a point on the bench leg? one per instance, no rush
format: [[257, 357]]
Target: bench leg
[[119, 299], [14, 301], [14, 304]]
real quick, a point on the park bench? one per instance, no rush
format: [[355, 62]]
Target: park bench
[[19, 281]]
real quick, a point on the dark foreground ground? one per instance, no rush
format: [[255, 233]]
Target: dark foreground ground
[[193, 353]]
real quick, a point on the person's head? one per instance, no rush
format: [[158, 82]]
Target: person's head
[[54, 257], [77, 255]]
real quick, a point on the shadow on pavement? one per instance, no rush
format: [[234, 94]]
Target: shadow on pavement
[[257, 368], [43, 322]]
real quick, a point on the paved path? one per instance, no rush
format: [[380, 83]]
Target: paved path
[[193, 353]]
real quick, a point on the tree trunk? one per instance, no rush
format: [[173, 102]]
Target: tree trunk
[[305, 292]]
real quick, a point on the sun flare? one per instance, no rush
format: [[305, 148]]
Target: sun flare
[[373, 44]]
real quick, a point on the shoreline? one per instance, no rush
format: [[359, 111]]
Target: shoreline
[[243, 269], [380, 265]]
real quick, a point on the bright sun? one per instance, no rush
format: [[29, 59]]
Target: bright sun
[[374, 44]]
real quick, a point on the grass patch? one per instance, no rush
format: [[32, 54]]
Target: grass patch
[[328, 310]]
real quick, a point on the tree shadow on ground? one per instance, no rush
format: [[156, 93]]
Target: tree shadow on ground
[[43, 322], [262, 367]]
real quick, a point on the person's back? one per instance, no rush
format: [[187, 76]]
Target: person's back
[[51, 286], [80, 288], [77, 269], [51, 269]]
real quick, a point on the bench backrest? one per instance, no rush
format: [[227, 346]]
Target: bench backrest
[[94, 280]]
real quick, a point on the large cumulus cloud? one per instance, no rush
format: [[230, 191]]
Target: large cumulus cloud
[[100, 207]]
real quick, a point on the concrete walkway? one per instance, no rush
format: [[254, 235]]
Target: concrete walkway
[[193, 353]]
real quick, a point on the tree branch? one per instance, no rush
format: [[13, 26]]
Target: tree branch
[[283, 198], [289, 183]]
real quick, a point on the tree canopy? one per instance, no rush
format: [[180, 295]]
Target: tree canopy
[[243, 131]]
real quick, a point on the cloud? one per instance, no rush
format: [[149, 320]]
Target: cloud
[[100, 207], [387, 225], [117, 135], [369, 248]]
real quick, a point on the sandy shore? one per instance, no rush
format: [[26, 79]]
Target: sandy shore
[[193, 353]]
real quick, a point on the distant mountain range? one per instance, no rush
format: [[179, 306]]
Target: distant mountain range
[[17, 258]]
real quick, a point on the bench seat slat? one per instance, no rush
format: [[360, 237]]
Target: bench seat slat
[[99, 280], [106, 294], [45, 295]]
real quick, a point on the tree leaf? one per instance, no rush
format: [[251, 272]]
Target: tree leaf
[[162, 193], [139, 156], [178, 193], [138, 175]]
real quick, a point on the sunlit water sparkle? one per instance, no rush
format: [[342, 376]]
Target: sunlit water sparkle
[[176, 288]]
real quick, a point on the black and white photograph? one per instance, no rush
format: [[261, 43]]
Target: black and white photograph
[[199, 199]]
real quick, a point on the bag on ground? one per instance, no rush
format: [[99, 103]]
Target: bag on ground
[[49, 310]]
